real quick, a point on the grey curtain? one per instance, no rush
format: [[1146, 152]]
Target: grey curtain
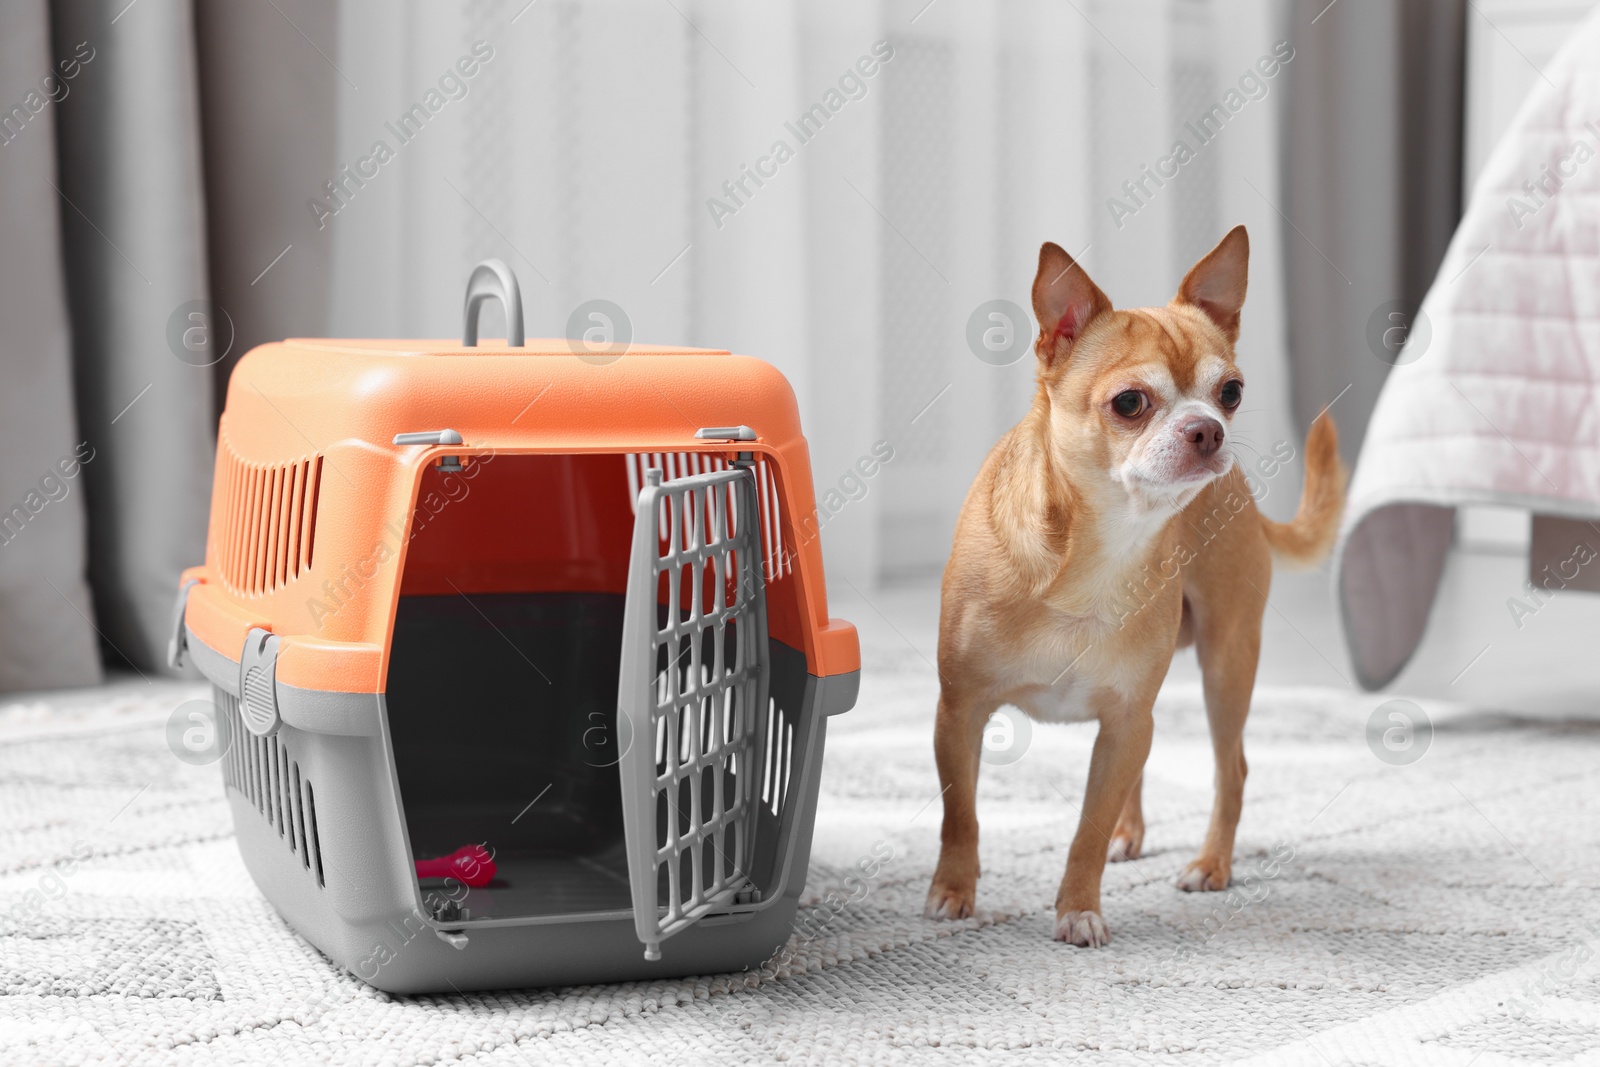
[[134, 234], [269, 122], [46, 634], [1372, 187], [105, 225]]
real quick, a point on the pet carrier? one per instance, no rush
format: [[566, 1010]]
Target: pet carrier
[[522, 652]]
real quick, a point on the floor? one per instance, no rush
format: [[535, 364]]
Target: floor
[[1440, 914]]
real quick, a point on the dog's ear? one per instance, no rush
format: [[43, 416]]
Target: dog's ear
[[1216, 284], [1065, 301]]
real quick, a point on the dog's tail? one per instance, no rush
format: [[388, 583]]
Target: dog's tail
[[1306, 540]]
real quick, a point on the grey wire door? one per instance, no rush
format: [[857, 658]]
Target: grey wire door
[[693, 687]]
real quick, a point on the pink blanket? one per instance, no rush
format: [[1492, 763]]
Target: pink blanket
[[1496, 398]]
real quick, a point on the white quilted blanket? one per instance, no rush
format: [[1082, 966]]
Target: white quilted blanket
[[1496, 398]]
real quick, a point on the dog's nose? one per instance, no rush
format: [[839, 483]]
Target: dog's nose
[[1204, 433]]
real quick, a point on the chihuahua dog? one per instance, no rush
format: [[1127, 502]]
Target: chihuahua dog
[[1108, 528]]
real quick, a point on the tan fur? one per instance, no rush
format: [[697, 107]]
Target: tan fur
[[1091, 545], [1307, 539]]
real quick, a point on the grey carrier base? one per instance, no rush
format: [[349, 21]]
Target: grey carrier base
[[323, 855]]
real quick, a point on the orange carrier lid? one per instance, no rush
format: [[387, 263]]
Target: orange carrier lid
[[313, 500]]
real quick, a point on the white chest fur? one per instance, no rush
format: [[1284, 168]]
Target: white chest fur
[[1073, 670], [1065, 701]]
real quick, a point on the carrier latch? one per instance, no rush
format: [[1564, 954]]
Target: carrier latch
[[178, 643], [258, 683], [450, 911], [434, 437], [429, 437], [725, 433]]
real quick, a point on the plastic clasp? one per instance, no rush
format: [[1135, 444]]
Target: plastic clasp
[[725, 433], [258, 683], [178, 643]]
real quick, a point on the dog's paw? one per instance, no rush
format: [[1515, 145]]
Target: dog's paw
[[1082, 928], [1125, 845], [1206, 875], [950, 902]]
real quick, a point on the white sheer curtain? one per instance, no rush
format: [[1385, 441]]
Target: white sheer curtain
[[585, 149]]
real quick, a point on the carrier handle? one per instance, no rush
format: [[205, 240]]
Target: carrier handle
[[493, 278]]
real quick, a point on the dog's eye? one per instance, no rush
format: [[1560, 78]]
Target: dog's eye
[[1128, 404], [1232, 393]]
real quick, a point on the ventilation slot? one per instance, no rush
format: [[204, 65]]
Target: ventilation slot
[[261, 770], [779, 758], [672, 465], [269, 522]]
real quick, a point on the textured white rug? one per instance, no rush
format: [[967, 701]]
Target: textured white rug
[[1442, 912]]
